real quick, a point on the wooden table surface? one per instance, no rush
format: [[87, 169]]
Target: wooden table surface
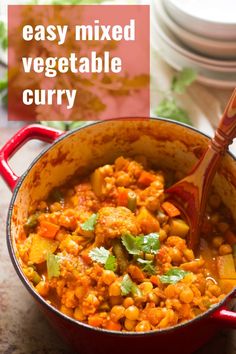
[[23, 329]]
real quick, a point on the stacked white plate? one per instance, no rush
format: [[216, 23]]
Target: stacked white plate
[[200, 34]]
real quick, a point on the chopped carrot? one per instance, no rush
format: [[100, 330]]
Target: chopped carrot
[[122, 199], [48, 229], [85, 256], [154, 279], [113, 326], [230, 237], [170, 209], [146, 178], [136, 273]]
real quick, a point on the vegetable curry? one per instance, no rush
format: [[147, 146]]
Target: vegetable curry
[[109, 250]]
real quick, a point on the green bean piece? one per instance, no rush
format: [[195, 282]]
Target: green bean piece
[[36, 278], [56, 196], [161, 217], [31, 222], [121, 256], [132, 201]]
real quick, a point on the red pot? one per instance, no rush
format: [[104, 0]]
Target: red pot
[[80, 151]]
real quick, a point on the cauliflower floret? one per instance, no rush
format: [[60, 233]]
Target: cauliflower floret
[[113, 222]]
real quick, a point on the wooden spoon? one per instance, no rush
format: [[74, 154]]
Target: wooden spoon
[[190, 194]]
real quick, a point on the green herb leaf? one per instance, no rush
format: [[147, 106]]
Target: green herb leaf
[[3, 85], [131, 244], [149, 243], [3, 35], [111, 263], [89, 224], [168, 108], [128, 286], [173, 276], [103, 256], [55, 124], [183, 79], [99, 254], [136, 244], [56, 195], [53, 265], [147, 266]]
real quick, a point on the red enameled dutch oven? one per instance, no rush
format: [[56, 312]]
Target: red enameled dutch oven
[[165, 143]]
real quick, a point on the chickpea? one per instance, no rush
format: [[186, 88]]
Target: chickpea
[[166, 228], [114, 289], [176, 255], [78, 314], [146, 287], [42, 288], [225, 249], [132, 313], [186, 295], [152, 297], [189, 255], [214, 290], [155, 315], [143, 326], [123, 179], [129, 324], [117, 312], [108, 277], [128, 301], [171, 291], [162, 235], [217, 241], [66, 310]]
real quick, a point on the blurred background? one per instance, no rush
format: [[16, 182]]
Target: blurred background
[[193, 72]]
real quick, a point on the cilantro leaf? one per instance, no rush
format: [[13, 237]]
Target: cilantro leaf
[[183, 79], [136, 244], [131, 244], [3, 85], [99, 255], [3, 36], [149, 243], [127, 286], [173, 276], [168, 108], [89, 224], [147, 266], [111, 263], [103, 256], [53, 265]]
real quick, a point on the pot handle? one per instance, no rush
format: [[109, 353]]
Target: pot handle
[[225, 317], [27, 133]]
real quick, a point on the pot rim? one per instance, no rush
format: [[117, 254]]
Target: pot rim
[[40, 299]]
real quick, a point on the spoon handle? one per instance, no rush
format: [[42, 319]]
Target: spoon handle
[[226, 130]]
